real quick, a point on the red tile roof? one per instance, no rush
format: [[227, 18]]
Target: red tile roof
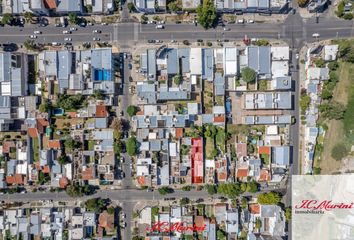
[[140, 113], [242, 173], [50, 4], [87, 174], [179, 133], [141, 180], [101, 111], [63, 182], [7, 145], [197, 160], [32, 132], [46, 169], [54, 144], [241, 149], [16, 179], [71, 114], [264, 150], [255, 208], [219, 119], [199, 221], [106, 220], [41, 124]]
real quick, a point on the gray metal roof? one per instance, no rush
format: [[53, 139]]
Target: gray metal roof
[[184, 54], [208, 64], [252, 3], [17, 83], [151, 53], [101, 58], [173, 95], [143, 62], [5, 66], [282, 83], [69, 6], [64, 64], [172, 61], [97, 6], [263, 4], [101, 122], [259, 59], [5, 102], [281, 155], [219, 84]]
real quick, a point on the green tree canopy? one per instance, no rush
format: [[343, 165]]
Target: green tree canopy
[[7, 18], [248, 75], [269, 198], [206, 13], [230, 190], [95, 204], [73, 18], [132, 110], [132, 146], [339, 151]]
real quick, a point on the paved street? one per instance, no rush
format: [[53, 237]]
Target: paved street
[[292, 30]]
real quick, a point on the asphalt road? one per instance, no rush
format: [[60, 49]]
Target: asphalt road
[[294, 29]]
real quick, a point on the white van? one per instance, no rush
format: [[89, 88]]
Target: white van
[[241, 21], [160, 26]]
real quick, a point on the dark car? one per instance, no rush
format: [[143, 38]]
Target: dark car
[[10, 47], [130, 66], [151, 41]]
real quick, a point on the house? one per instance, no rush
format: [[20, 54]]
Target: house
[[268, 100], [281, 156], [197, 159], [101, 6], [273, 221], [259, 59], [68, 6], [232, 222]]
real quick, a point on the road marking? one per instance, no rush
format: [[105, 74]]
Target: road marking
[[115, 33]]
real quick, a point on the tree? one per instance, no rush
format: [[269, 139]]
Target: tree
[[71, 144], [206, 14], [250, 148], [184, 201], [211, 189], [98, 94], [69, 102], [28, 16], [73, 18], [143, 18], [244, 203], [287, 214], [7, 18], [131, 146], [333, 65], [173, 6], [326, 94], [248, 75], [348, 16], [262, 42], [258, 223], [252, 187], [74, 191], [302, 3], [319, 62], [29, 45], [340, 9], [220, 235], [132, 110], [270, 198], [304, 102], [95, 204], [186, 188], [131, 7], [44, 107], [339, 151], [230, 190], [62, 159], [111, 210], [332, 110], [177, 79], [89, 8], [165, 190], [344, 48]]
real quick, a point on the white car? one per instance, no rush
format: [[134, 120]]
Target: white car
[[104, 23], [66, 32], [96, 39], [241, 21], [37, 32], [33, 36], [96, 31], [56, 44], [160, 26], [251, 21], [73, 29], [158, 41], [226, 29], [316, 35], [67, 39], [297, 56]]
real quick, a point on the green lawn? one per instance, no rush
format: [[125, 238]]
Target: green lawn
[[35, 149]]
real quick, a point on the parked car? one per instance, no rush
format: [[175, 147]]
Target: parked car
[[66, 32], [160, 26], [67, 39], [96, 31], [73, 29], [32, 36], [96, 39], [37, 32]]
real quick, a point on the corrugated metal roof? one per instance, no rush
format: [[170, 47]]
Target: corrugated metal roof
[[69, 6], [172, 61], [208, 63]]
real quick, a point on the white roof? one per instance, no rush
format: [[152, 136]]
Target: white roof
[[280, 53], [145, 216], [142, 170], [173, 149], [153, 135], [144, 146], [196, 61], [192, 108], [6, 89], [210, 163], [144, 161], [280, 68], [21, 168], [230, 63], [330, 52], [150, 110], [272, 130]]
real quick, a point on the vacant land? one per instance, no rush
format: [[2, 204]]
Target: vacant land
[[336, 130]]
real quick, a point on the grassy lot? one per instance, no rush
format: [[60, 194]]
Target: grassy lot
[[208, 97], [91, 145], [209, 147], [35, 149], [336, 131]]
